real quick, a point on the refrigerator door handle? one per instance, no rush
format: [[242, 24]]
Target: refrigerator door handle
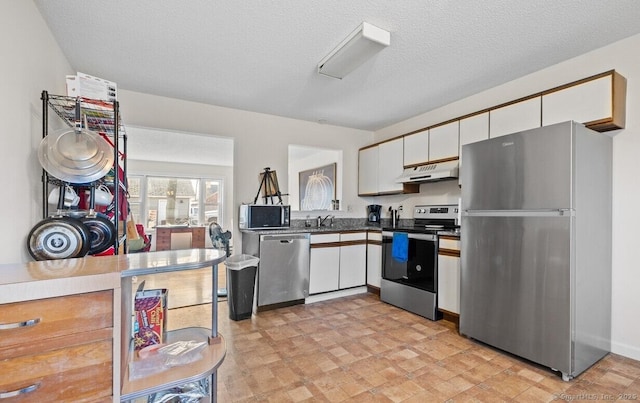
[[563, 212]]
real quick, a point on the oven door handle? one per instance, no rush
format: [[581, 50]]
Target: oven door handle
[[421, 237]]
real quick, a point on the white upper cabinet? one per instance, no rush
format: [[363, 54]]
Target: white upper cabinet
[[390, 166], [416, 148], [516, 117], [473, 129], [443, 141], [368, 171], [594, 103]]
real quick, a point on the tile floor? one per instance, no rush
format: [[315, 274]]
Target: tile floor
[[359, 349]]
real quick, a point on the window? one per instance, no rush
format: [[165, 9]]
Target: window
[[164, 200]]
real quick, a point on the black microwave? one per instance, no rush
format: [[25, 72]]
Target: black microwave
[[257, 216]]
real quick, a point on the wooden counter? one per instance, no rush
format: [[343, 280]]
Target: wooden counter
[[57, 283]]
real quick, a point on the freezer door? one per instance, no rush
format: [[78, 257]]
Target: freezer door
[[530, 170], [515, 286]]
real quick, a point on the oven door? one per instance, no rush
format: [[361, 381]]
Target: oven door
[[420, 269]]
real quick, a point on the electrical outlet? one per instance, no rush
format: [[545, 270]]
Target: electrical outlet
[[349, 208]]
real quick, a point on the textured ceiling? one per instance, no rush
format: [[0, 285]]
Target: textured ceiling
[[261, 56]]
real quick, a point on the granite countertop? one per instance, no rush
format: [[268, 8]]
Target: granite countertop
[[339, 225], [342, 225]]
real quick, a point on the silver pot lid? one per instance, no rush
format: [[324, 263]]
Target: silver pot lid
[[76, 157]]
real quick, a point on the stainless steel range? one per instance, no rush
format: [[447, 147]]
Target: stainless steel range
[[410, 259]]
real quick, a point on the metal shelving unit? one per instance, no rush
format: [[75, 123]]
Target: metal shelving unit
[[103, 118]]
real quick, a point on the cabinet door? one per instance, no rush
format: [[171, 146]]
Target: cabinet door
[[353, 265], [584, 103], [324, 263], [416, 148], [368, 171], [523, 115], [390, 165], [443, 141], [449, 283], [474, 129], [353, 260], [374, 259]]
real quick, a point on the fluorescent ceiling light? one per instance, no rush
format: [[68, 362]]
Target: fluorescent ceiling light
[[357, 48]]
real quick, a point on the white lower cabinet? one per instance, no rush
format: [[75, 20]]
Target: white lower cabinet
[[337, 261], [449, 275], [353, 260], [324, 266], [374, 258]]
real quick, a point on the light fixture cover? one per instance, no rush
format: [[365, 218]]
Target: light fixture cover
[[354, 50]]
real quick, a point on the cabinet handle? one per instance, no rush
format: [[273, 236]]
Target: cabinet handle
[[26, 323], [18, 392]]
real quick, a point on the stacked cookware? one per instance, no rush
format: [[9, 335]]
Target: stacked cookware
[[73, 157]]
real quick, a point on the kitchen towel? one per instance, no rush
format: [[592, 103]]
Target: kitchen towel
[[400, 246]]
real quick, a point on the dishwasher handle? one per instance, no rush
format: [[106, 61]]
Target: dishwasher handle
[[285, 238]]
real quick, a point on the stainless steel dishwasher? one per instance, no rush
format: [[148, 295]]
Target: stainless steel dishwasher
[[283, 273]]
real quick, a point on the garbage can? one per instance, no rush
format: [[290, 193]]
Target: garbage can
[[241, 278]]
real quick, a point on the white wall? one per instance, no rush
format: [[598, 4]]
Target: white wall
[[624, 57], [259, 141], [31, 62]]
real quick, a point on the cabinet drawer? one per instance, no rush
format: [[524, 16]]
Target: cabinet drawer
[[324, 238], [451, 244], [57, 317], [353, 236], [80, 373]]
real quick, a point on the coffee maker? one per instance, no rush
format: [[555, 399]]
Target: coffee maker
[[373, 213]]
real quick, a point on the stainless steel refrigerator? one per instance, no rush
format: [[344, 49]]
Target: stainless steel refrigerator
[[536, 245]]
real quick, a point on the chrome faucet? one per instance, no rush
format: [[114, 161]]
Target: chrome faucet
[[322, 220]]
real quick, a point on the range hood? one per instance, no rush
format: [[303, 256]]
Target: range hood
[[430, 173]]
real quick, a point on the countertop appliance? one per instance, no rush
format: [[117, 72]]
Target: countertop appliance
[[373, 213], [260, 216], [283, 271], [412, 284], [536, 245]]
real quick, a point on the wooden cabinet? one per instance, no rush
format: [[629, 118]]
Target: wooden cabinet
[[416, 148], [58, 349], [353, 259], [368, 171], [444, 142], [390, 166], [515, 117], [324, 266], [598, 103], [179, 237], [65, 328], [374, 258], [449, 275]]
